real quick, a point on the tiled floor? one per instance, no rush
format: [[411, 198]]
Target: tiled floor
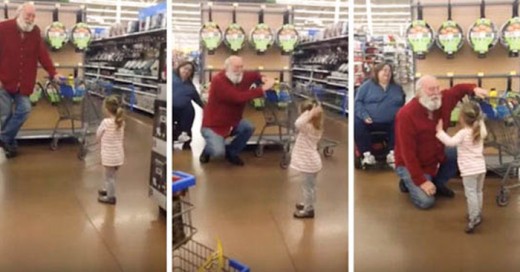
[[392, 235], [50, 219], [250, 208]]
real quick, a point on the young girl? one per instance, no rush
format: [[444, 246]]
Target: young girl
[[111, 134], [470, 158], [305, 156]]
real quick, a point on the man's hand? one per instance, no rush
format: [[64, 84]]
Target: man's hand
[[439, 126], [482, 93], [268, 83], [368, 121], [57, 78], [429, 188], [1, 85]]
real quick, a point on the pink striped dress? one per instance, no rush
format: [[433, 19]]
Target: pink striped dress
[[305, 156], [111, 138], [470, 155]]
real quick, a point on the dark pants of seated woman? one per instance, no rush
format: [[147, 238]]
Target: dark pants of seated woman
[[363, 137], [183, 118]]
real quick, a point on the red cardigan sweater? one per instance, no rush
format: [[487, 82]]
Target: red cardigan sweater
[[227, 101], [416, 146], [19, 58]]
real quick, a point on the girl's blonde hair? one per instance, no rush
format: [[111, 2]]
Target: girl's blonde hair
[[317, 120], [472, 116], [113, 106]]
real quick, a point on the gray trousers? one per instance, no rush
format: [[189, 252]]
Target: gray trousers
[[110, 180], [473, 189], [309, 190]]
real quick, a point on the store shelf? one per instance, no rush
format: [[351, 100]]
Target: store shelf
[[337, 84], [134, 91], [98, 75], [136, 83], [154, 31], [101, 67], [136, 76], [309, 70], [139, 108], [326, 42], [335, 92], [338, 78]]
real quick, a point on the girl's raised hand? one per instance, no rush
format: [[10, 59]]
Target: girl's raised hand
[[439, 126]]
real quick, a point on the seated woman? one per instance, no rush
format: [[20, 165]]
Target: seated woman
[[376, 104], [184, 92]]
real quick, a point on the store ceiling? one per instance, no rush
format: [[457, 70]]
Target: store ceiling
[[104, 13], [308, 14], [387, 16]]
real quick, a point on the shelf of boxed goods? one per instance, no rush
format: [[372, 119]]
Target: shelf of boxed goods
[[138, 90], [129, 35]]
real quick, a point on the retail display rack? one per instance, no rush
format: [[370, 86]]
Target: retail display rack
[[157, 188], [320, 71], [132, 64], [369, 51]]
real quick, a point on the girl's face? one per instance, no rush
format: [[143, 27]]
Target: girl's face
[[185, 72], [384, 75]]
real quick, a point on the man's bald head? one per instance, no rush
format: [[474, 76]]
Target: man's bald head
[[234, 66], [25, 15], [429, 92]]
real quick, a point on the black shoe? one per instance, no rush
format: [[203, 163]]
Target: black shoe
[[107, 200], [301, 214], [445, 191], [204, 158], [300, 206], [10, 153], [102, 192], [235, 160], [403, 187], [186, 146]]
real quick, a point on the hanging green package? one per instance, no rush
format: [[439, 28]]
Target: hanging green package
[[482, 35], [511, 35], [420, 36], [81, 36], [211, 36], [261, 37], [235, 37], [56, 35], [450, 38], [287, 38]]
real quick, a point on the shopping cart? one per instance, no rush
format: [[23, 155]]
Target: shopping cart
[[189, 255], [503, 126], [75, 104], [281, 110]]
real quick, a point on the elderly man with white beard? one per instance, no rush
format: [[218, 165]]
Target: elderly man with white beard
[[228, 95], [423, 163], [21, 48]]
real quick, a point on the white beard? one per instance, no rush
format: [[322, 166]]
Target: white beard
[[24, 26], [234, 78], [430, 104]]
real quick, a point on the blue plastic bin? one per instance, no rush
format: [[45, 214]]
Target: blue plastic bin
[[184, 181]]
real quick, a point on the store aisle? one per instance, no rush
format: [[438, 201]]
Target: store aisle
[[50, 219], [250, 208], [392, 235]]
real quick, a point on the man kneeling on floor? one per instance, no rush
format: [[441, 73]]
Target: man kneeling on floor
[[228, 95], [423, 163]]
